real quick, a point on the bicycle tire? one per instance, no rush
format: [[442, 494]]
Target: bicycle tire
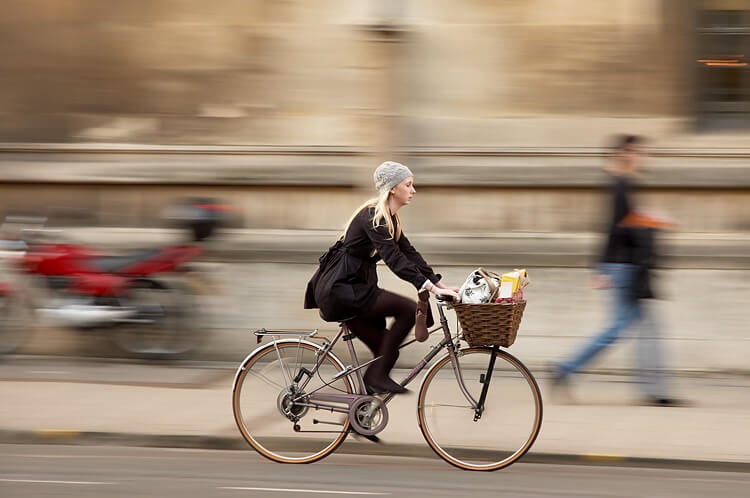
[[14, 325], [265, 425], [507, 428], [164, 326]]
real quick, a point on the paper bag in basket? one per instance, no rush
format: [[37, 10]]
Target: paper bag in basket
[[480, 287], [512, 285]]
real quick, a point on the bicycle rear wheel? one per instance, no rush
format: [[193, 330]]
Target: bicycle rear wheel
[[272, 409], [505, 429], [14, 323]]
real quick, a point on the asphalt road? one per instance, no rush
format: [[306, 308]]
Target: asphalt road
[[103, 471]]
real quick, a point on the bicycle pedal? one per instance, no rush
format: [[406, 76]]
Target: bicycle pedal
[[372, 437]]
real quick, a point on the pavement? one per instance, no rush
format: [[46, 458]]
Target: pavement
[[600, 421]]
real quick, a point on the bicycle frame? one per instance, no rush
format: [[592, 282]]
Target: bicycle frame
[[343, 402]]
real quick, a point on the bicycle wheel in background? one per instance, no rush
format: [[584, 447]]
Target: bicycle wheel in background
[[271, 408], [509, 424], [15, 322], [163, 325]]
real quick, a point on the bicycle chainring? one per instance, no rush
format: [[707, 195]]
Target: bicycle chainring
[[368, 415]]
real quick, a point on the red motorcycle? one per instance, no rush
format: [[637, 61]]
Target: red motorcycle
[[142, 296]]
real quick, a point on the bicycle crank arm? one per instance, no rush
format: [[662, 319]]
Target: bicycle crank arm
[[297, 427], [316, 421]]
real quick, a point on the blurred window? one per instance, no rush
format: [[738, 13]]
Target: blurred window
[[724, 64]]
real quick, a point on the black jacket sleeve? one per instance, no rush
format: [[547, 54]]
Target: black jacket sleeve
[[397, 260], [413, 255]]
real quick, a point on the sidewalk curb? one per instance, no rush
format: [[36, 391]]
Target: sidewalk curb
[[350, 446]]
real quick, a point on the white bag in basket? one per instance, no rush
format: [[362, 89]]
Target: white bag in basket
[[480, 287]]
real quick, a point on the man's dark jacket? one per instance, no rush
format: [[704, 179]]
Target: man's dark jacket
[[628, 244]]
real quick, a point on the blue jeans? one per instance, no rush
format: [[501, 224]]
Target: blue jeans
[[627, 312]]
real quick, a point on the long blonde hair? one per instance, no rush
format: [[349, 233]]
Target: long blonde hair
[[382, 214]]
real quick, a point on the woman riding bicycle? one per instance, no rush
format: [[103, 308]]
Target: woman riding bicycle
[[345, 287]]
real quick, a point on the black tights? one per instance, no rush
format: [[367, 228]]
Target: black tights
[[370, 329]]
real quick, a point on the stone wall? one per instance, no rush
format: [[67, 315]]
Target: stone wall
[[437, 210], [284, 107], [342, 72], [460, 191]]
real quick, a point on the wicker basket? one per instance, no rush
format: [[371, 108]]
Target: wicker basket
[[490, 324]]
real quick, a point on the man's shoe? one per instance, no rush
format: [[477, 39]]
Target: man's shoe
[[560, 385], [557, 379], [560, 382], [665, 401]]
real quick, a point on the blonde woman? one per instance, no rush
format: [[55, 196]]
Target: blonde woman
[[345, 287]]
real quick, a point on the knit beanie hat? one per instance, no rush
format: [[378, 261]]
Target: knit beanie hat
[[389, 174]]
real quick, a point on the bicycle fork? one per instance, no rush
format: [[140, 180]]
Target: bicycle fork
[[484, 379]]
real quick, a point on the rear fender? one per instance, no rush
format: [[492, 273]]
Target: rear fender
[[271, 345]]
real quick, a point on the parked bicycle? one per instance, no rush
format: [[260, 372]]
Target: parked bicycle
[[295, 401]]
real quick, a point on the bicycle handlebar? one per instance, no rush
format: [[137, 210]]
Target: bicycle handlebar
[[445, 299]]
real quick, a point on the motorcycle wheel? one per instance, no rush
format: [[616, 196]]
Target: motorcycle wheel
[[13, 326], [161, 327]]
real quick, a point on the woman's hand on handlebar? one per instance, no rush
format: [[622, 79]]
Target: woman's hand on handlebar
[[444, 292], [443, 286]]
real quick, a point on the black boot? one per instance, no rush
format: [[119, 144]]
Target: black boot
[[377, 377], [376, 384], [377, 380]]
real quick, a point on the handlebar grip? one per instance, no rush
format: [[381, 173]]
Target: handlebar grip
[[445, 299]]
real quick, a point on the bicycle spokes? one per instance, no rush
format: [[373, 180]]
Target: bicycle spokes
[[491, 433], [277, 376]]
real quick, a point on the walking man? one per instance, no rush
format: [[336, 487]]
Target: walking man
[[624, 266]]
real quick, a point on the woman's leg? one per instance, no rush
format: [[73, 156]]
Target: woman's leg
[[369, 331], [370, 328]]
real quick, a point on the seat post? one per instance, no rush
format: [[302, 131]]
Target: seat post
[[347, 337]]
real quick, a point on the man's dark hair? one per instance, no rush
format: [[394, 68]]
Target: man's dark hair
[[623, 142]]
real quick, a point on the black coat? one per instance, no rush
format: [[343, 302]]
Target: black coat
[[346, 281]]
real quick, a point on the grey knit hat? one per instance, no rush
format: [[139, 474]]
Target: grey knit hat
[[389, 174]]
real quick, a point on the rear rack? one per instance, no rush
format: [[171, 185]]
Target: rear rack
[[284, 333]]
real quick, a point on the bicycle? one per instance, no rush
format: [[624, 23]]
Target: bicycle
[[312, 393]]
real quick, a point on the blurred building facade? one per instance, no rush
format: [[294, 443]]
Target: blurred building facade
[[502, 108], [503, 104]]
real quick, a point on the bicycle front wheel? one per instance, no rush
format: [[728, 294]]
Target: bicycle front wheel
[[272, 406], [491, 436]]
